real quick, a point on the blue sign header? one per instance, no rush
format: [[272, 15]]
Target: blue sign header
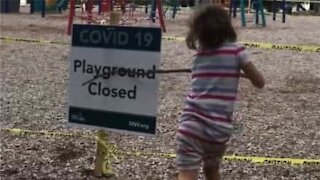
[[117, 37]]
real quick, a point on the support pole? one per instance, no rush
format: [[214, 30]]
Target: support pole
[[114, 18], [230, 8], [89, 8], [160, 12], [102, 160], [283, 11], [261, 10], [263, 17], [6, 6], [32, 6], [274, 9], [256, 8], [71, 16], [153, 10], [235, 5], [100, 7], [43, 8], [243, 16], [175, 4]]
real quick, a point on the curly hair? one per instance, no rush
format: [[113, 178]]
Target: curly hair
[[209, 27]]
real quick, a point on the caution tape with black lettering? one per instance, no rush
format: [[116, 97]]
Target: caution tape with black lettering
[[37, 41], [296, 48], [116, 154], [22, 132]]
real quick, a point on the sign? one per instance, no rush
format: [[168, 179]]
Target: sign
[[124, 95]]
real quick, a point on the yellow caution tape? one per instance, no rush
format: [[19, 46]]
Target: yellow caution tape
[[272, 160], [113, 153], [37, 41], [108, 153], [247, 159], [22, 132], [173, 38], [296, 48]]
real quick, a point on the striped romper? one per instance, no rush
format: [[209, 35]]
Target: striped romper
[[205, 125]]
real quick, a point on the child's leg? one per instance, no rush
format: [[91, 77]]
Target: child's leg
[[188, 175], [212, 160], [188, 158], [212, 172]]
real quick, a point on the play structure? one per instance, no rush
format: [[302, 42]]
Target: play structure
[[122, 12], [9, 6], [48, 6], [257, 5]]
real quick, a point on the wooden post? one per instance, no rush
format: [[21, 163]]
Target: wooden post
[[102, 161], [98, 161], [114, 18]]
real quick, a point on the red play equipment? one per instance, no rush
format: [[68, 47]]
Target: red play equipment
[[106, 7]]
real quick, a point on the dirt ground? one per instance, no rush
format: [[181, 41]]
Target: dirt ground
[[282, 120]]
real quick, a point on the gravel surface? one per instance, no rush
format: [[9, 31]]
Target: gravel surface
[[282, 120]]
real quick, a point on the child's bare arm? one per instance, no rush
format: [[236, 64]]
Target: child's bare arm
[[253, 74]]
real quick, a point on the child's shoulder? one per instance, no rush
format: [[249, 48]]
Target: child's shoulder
[[235, 45]]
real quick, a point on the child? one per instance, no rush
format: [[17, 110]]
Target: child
[[205, 125]]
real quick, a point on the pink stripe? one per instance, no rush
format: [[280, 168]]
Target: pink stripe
[[217, 52], [213, 118], [240, 49], [208, 74], [221, 52], [211, 96], [190, 134]]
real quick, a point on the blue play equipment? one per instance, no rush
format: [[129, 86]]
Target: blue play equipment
[[283, 6], [43, 7], [172, 5], [257, 6]]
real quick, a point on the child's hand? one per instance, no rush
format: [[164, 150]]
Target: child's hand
[[243, 75], [252, 73]]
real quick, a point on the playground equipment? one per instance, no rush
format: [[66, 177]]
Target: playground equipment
[[225, 3], [282, 6], [120, 9], [9, 6], [45, 6], [257, 6], [173, 5]]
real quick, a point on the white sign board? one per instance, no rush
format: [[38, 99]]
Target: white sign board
[[121, 64]]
